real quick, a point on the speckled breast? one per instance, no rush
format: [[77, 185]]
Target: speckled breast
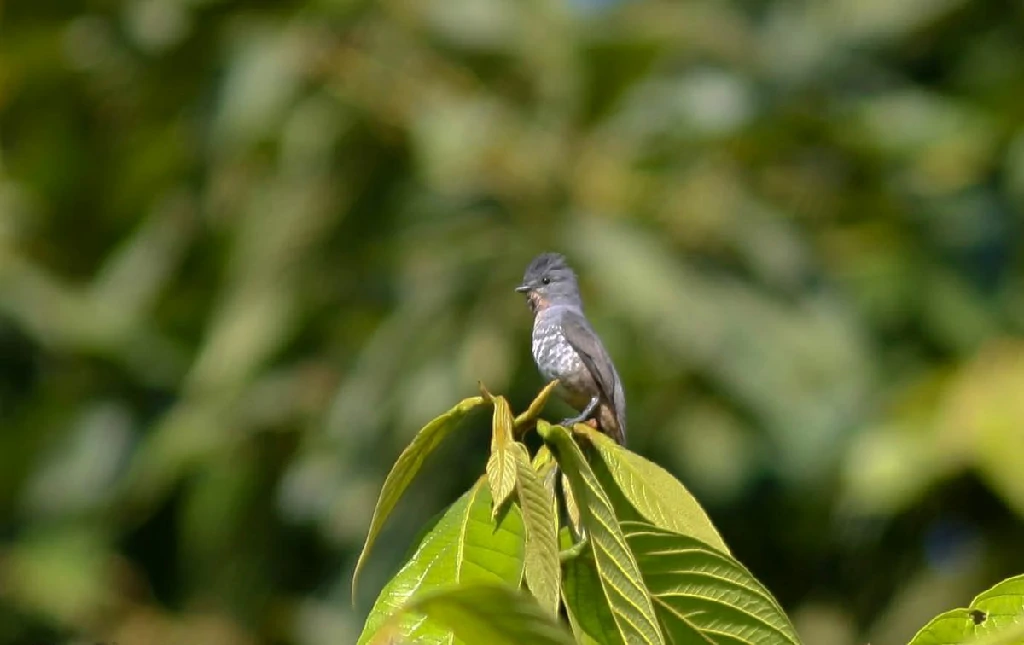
[[555, 357]]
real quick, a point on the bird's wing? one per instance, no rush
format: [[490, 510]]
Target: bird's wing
[[619, 403], [586, 343]]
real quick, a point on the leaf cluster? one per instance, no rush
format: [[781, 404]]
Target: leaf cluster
[[633, 559]]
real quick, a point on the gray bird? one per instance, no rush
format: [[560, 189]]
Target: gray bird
[[566, 347]]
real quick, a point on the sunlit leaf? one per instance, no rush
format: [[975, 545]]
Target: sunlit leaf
[[546, 466], [536, 406], [621, 581], [501, 465], [492, 615], [704, 595], [465, 546], [1012, 635], [405, 469], [655, 494], [540, 516], [996, 614]]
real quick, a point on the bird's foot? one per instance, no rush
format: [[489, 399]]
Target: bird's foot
[[582, 416], [571, 421]]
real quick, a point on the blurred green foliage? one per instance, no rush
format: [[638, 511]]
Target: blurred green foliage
[[247, 249]]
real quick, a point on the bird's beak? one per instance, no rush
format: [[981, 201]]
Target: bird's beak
[[523, 288]]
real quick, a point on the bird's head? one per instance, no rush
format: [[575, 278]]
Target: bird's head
[[549, 281]]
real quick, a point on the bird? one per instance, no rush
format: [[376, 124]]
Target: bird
[[566, 347]]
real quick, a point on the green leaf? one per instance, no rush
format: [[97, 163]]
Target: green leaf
[[466, 545], [537, 406], [703, 595], [571, 508], [546, 466], [544, 461], [589, 614], [620, 577], [1012, 635], [405, 469], [997, 613], [491, 614], [653, 493], [948, 627], [543, 576], [501, 465]]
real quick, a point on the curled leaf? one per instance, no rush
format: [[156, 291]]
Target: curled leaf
[[536, 407]]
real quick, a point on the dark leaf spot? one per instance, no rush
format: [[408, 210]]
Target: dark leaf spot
[[978, 616]]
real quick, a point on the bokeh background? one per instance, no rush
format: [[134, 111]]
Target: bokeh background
[[247, 249]]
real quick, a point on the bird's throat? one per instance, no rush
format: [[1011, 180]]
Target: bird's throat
[[537, 302]]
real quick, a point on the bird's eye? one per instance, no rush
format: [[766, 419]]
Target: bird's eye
[[546, 280]]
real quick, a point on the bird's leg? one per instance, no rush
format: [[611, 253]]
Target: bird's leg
[[582, 416]]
